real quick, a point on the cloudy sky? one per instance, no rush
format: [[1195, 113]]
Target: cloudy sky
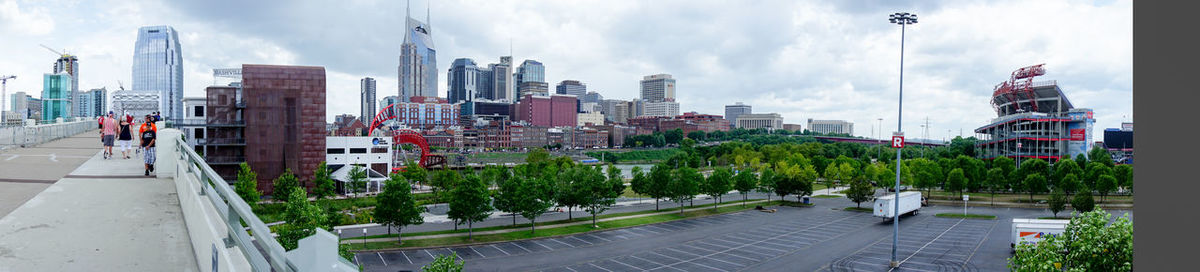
[[802, 59]]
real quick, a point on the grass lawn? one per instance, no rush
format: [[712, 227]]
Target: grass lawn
[[519, 235], [665, 205], [826, 196], [1019, 198], [858, 209], [967, 216]]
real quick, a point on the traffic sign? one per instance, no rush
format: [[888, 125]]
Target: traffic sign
[[898, 141]]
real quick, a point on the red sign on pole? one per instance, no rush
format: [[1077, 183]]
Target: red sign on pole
[[898, 141]]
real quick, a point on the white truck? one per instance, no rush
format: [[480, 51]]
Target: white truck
[[910, 202], [1032, 231]]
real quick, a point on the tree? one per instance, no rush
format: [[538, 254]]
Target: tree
[[324, 186], [660, 181], [1081, 160], [1057, 201], [415, 173], [537, 155], [1089, 243], [302, 217], [357, 179], [470, 202], [673, 136], [445, 263], [443, 180], [697, 135], [396, 207], [1035, 184], [805, 179], [534, 197], [1098, 154], [1034, 166], [1083, 201], [640, 183], [284, 184], [860, 191], [767, 182], [744, 182], [247, 185], [956, 181], [832, 174], [1069, 184], [1124, 175], [1062, 168], [508, 195], [598, 192], [996, 181], [718, 184], [1093, 172], [1105, 184], [684, 185], [569, 192]]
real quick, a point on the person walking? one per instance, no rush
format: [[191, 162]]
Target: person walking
[[108, 130], [125, 137], [148, 134]]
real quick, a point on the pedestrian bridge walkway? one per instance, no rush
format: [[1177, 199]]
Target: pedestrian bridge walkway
[[66, 208]]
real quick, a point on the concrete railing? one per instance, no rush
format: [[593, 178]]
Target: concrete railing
[[32, 134], [217, 221]]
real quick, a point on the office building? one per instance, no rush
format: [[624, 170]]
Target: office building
[[93, 103], [793, 127], [462, 78], [531, 79], [344, 120], [547, 111], [831, 126], [503, 84], [737, 109], [589, 119], [69, 64], [658, 88], [665, 108], [158, 67], [56, 96], [273, 120], [768, 121], [571, 87], [366, 99], [194, 112], [385, 102], [371, 153], [427, 114], [418, 60], [136, 103], [35, 107], [591, 97], [1034, 120], [19, 105], [483, 83]]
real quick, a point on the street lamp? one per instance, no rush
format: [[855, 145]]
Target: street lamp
[[903, 19]]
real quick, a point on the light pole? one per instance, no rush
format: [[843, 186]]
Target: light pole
[[903, 19]]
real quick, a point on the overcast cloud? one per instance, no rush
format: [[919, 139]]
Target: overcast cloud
[[802, 59]]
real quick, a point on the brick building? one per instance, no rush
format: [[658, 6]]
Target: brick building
[[547, 111]]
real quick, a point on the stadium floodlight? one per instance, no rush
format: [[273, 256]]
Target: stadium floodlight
[[902, 19]]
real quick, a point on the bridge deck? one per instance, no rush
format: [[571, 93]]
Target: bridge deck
[[103, 215]]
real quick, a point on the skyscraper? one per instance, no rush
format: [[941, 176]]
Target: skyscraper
[[502, 80], [418, 60], [571, 87], [658, 88], [366, 100], [483, 83], [69, 64], [733, 111], [462, 77], [531, 79], [158, 66], [56, 96]]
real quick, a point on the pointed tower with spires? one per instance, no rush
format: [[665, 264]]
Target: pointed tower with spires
[[418, 59]]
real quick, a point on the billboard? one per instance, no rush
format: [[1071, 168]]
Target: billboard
[[1080, 135]]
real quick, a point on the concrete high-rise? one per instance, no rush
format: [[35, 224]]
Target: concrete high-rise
[[571, 87], [158, 67], [366, 100], [737, 109], [503, 85], [658, 88], [831, 126], [418, 60], [93, 103], [56, 96], [462, 78], [483, 83], [69, 64], [387, 101]]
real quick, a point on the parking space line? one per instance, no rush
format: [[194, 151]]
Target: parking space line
[[569, 268], [430, 254], [660, 254], [406, 257], [985, 237], [493, 246], [597, 266], [800, 230], [356, 260], [598, 237], [381, 258], [521, 247], [653, 262], [477, 252], [696, 247], [560, 242], [927, 244], [625, 264], [706, 257], [577, 238], [540, 244]]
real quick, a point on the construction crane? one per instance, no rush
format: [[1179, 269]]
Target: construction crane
[[3, 95], [55, 51]]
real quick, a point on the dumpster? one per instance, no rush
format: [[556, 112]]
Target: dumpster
[[806, 201]]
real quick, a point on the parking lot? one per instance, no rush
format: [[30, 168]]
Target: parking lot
[[792, 239]]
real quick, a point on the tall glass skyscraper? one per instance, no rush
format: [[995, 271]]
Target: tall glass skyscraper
[[367, 100], [418, 60], [56, 96], [462, 77], [158, 67]]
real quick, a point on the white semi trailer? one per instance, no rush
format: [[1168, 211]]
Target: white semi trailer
[[1032, 231], [885, 207]]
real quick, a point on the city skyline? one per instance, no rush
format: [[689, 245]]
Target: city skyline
[[802, 60]]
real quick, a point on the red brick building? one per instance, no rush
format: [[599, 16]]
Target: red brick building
[[547, 111], [284, 121]]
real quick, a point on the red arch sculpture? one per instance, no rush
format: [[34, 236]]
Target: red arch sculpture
[[407, 136]]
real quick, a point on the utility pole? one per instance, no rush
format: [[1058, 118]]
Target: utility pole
[[903, 19], [4, 95]]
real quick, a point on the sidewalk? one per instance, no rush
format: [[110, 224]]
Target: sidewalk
[[666, 211], [104, 215]]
